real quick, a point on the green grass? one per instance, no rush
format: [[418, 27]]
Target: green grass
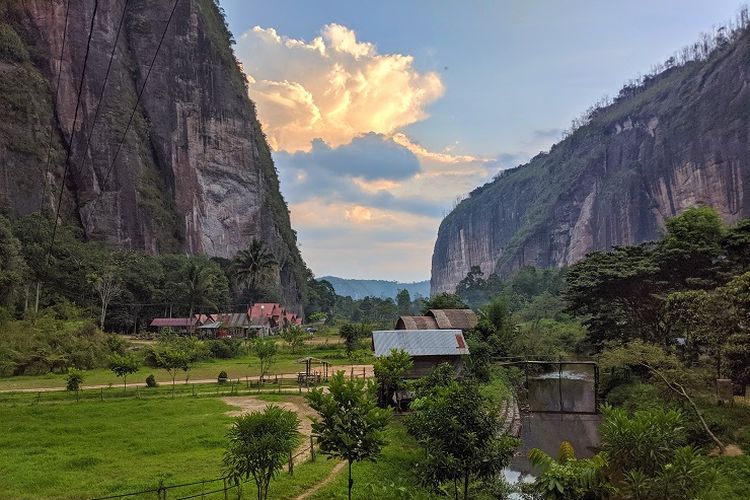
[[239, 367], [89, 449], [392, 476]]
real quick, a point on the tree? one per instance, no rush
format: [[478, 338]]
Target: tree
[[198, 286], [251, 264], [458, 432], [107, 286], [403, 301], [123, 365], [75, 380], [390, 371], [12, 265], [351, 333], [648, 451], [265, 349], [737, 346], [443, 300], [177, 354], [351, 425], [294, 336], [259, 445], [568, 477]]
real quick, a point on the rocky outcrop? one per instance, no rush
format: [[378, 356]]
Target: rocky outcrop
[[681, 141], [194, 173]]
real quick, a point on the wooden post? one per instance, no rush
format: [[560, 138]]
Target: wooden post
[[299, 383], [312, 449], [351, 375], [364, 375], [291, 464], [101, 393], [137, 392], [247, 382], [226, 493]]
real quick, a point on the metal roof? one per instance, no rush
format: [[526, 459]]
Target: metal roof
[[416, 323], [174, 322], [464, 319], [420, 342], [210, 326]]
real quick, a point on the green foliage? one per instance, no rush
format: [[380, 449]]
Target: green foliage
[[443, 300], [224, 348], [390, 372], [175, 354], [253, 267], [75, 379], [351, 333], [260, 443], [569, 478], [12, 266], [294, 336], [11, 47], [266, 350], [458, 432], [350, 424], [321, 300], [403, 301], [123, 365]]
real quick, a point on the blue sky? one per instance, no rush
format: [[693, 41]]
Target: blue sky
[[399, 107]]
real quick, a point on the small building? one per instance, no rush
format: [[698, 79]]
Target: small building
[[439, 319], [427, 348]]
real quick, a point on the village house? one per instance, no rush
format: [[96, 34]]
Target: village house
[[439, 319], [259, 320], [427, 348]]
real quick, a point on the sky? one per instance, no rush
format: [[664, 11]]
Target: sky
[[381, 115]]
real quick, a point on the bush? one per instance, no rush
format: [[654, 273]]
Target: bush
[[224, 348], [223, 377], [11, 46], [151, 381]]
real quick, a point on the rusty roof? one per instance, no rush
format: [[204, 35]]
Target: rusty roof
[[416, 323], [462, 319], [174, 322]]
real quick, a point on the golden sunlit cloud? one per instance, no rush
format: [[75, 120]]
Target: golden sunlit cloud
[[333, 88], [359, 214]]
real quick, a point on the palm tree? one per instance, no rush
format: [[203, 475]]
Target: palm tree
[[197, 286], [252, 263]]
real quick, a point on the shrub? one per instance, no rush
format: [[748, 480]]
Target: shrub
[[151, 381], [11, 46], [223, 377], [224, 348]]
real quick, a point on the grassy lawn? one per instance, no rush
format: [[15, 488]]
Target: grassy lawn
[[239, 367], [391, 477], [89, 449]]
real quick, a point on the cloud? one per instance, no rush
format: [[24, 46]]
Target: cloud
[[333, 88]]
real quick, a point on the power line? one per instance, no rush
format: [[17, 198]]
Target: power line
[[132, 114], [72, 131], [52, 118], [104, 85]]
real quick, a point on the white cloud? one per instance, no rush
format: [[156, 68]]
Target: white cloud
[[334, 87]]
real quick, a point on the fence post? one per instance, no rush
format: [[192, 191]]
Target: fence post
[[364, 375], [291, 464], [193, 390], [137, 392], [299, 383], [351, 375], [247, 382], [226, 494], [101, 393], [312, 449]]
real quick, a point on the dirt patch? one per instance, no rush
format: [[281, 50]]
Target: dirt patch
[[730, 450], [247, 404]]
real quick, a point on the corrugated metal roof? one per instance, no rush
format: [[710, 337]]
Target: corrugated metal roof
[[210, 326], [420, 342], [416, 323], [462, 319], [173, 322]]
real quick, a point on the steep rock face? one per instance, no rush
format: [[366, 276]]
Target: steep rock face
[[681, 141], [194, 173]]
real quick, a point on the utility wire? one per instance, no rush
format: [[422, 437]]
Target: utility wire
[[132, 114], [52, 118], [72, 132], [104, 86]]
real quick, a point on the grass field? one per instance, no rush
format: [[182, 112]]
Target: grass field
[[239, 367], [68, 450]]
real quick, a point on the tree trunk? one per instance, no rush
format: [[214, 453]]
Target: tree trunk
[[466, 485], [351, 481], [125, 383], [38, 291], [103, 315], [190, 319]]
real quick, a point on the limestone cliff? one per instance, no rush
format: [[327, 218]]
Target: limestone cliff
[[680, 141], [194, 174]]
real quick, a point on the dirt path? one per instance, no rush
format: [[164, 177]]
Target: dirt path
[[330, 477], [357, 370]]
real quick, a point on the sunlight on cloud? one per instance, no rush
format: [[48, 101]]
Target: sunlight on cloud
[[334, 88]]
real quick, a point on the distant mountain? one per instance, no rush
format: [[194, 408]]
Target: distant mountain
[[359, 289]]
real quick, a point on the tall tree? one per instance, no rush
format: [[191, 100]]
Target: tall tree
[[107, 286], [259, 445], [351, 425], [123, 365], [198, 287], [403, 301], [252, 264]]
